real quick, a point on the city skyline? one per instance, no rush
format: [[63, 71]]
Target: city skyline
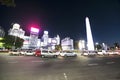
[[66, 18]]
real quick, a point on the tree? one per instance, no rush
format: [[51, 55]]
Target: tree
[[112, 48], [8, 3], [116, 45], [76, 45], [1, 42], [19, 42], [58, 47], [98, 47], [11, 41], [8, 40]]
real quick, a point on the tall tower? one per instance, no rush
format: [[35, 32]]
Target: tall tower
[[90, 43]]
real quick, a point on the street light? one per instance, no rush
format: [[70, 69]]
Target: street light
[[96, 45]]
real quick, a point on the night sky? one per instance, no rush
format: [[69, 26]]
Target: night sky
[[66, 18]]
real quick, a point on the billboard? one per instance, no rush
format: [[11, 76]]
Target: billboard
[[35, 30]]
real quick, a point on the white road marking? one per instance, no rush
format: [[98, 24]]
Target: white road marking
[[15, 56], [13, 62], [65, 76], [36, 61], [93, 64], [21, 56], [110, 62]]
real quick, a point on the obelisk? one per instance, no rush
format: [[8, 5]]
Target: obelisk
[[90, 43]]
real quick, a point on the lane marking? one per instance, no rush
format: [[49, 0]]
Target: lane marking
[[110, 62], [36, 61], [65, 76], [14, 56], [13, 62], [93, 64]]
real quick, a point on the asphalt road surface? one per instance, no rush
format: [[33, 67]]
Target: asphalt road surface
[[79, 68]]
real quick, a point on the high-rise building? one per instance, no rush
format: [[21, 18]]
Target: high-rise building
[[45, 38], [58, 39], [33, 38], [81, 44], [16, 31], [49, 43], [67, 44], [26, 42], [90, 43]]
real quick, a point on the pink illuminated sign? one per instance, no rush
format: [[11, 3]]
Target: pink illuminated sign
[[34, 29]]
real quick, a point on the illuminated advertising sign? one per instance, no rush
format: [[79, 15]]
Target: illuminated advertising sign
[[26, 40], [67, 42], [36, 30], [54, 41]]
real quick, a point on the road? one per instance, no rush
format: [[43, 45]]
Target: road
[[79, 68]]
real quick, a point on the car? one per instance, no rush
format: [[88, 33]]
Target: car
[[89, 53], [22, 52], [112, 53], [29, 53], [118, 53], [47, 53], [85, 54], [37, 52], [14, 52], [100, 53], [68, 54]]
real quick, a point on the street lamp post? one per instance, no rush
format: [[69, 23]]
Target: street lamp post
[[96, 46], [16, 28], [15, 40]]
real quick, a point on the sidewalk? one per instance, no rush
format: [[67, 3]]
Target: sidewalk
[[4, 53]]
